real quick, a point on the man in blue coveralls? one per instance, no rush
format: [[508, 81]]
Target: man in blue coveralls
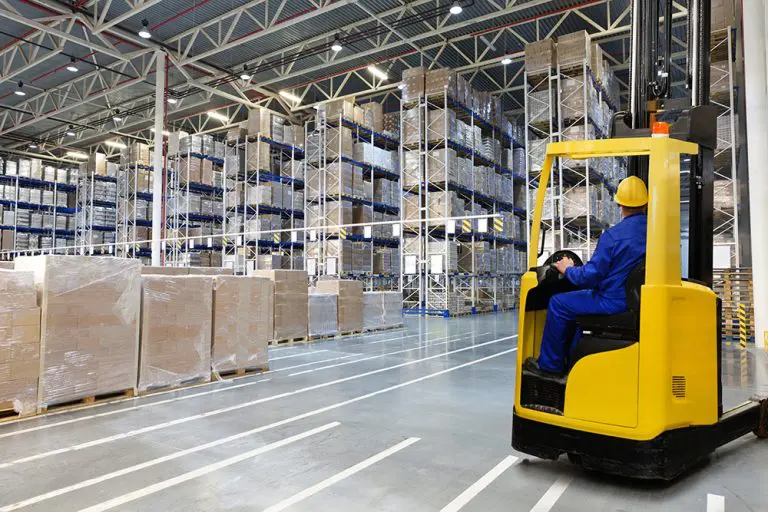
[[601, 280]]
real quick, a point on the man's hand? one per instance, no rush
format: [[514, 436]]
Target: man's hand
[[563, 264]]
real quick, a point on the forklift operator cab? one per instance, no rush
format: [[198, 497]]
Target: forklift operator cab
[[641, 396]]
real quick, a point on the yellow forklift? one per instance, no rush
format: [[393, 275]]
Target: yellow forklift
[[642, 397]]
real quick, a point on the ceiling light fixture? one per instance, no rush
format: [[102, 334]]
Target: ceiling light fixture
[[456, 8], [77, 154], [116, 117], [336, 46], [292, 97], [245, 75], [72, 66], [70, 131], [33, 145], [377, 72], [20, 90], [144, 33], [166, 133], [506, 61], [218, 116], [172, 100], [115, 144]]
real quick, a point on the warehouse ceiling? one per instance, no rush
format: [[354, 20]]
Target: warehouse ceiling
[[84, 70]]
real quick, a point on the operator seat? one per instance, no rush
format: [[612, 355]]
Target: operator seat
[[611, 332]]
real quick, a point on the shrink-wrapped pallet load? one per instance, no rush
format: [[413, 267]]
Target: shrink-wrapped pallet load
[[323, 310], [89, 325], [175, 330], [242, 323], [290, 304], [19, 342], [350, 301], [382, 310]]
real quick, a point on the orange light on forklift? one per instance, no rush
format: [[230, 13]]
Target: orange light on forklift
[[660, 129]]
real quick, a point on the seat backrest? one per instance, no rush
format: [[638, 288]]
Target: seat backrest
[[635, 281]]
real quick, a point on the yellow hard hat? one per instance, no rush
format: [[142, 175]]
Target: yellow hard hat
[[632, 192]]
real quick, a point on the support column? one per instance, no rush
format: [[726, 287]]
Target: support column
[[159, 162], [756, 93]]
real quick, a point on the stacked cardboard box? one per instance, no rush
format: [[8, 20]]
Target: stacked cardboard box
[[89, 327], [413, 83], [374, 116], [258, 123], [242, 322], [175, 330], [290, 304], [323, 311], [540, 56], [723, 14], [382, 310], [350, 301], [573, 49], [19, 342]]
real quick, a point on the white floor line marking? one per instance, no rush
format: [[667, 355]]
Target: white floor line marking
[[187, 419], [715, 503], [167, 401], [548, 500], [280, 423], [478, 487], [379, 356], [338, 477], [306, 353], [210, 468]]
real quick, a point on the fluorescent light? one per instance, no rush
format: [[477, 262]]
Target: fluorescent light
[[166, 133], [144, 33], [77, 154], [71, 131], [287, 95], [117, 117], [73, 66], [218, 116], [20, 90], [336, 46], [32, 145], [377, 72], [506, 60], [172, 101], [456, 8], [115, 144], [401, 86], [245, 75]]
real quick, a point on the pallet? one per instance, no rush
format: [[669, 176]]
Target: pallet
[[285, 341], [319, 337], [8, 413], [174, 386], [351, 333], [388, 328], [240, 372], [88, 400]]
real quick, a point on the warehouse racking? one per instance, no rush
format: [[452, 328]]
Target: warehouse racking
[[726, 191], [134, 203], [353, 177], [572, 100], [96, 217], [462, 236], [36, 205], [264, 203]]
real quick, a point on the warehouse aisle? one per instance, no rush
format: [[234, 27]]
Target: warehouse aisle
[[416, 419]]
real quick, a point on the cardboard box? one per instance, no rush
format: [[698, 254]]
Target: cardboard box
[[350, 301], [210, 271], [242, 322], [89, 324], [573, 49], [323, 311], [540, 56], [290, 304], [19, 342], [165, 271], [382, 310], [258, 122], [176, 315]]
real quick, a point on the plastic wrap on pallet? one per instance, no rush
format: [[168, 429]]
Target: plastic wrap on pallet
[[350, 301], [723, 195], [176, 313], [89, 324], [19, 342], [573, 49], [290, 304], [540, 56], [413, 83], [323, 311], [382, 310], [242, 323], [412, 169], [442, 165]]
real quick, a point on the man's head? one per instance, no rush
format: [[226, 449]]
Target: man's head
[[632, 196]]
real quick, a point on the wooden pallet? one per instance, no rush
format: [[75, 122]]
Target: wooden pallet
[[734, 287], [240, 372], [318, 337], [8, 413], [351, 333], [285, 341], [388, 328], [88, 400]]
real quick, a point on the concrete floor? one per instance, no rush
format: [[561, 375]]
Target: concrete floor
[[411, 420]]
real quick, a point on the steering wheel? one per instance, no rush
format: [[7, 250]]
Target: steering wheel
[[548, 273]]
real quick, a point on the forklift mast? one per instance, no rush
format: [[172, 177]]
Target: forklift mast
[[692, 118]]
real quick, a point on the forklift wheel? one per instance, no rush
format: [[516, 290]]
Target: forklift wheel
[[762, 429], [575, 458]]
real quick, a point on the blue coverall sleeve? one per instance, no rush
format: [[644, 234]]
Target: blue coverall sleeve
[[596, 269]]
